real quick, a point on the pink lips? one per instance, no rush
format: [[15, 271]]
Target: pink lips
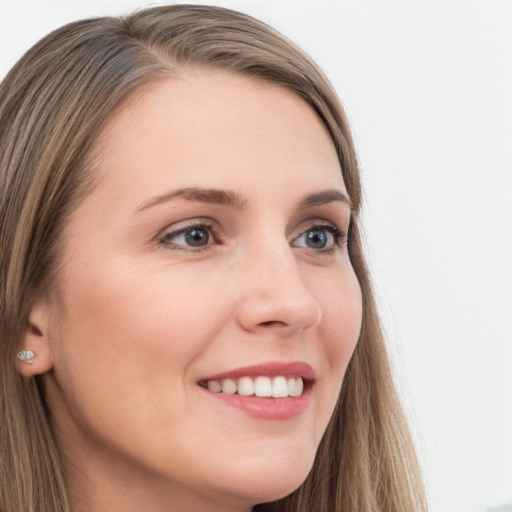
[[267, 408]]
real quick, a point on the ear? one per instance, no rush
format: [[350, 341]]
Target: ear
[[36, 340]]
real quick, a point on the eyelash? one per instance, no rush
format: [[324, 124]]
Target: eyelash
[[339, 237], [202, 225]]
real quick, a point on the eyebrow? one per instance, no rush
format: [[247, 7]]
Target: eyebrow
[[202, 195], [234, 200], [324, 197]]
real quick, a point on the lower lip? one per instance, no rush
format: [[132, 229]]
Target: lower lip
[[266, 408]]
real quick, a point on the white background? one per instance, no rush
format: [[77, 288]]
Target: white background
[[428, 90]]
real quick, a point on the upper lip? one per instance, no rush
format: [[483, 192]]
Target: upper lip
[[270, 369]]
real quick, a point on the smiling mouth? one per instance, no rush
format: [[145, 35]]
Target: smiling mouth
[[270, 391], [259, 386]]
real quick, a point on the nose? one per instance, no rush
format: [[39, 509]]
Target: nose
[[276, 298]]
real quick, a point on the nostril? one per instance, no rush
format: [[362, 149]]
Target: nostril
[[272, 323]]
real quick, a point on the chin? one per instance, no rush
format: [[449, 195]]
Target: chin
[[271, 479], [278, 489]]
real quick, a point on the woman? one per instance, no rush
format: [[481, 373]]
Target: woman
[[186, 317]]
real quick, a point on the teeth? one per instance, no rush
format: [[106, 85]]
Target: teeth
[[215, 386], [229, 386], [298, 387], [278, 387], [263, 386], [245, 386]]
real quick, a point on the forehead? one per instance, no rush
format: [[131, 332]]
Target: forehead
[[216, 127]]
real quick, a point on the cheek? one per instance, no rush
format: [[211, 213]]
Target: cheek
[[342, 319], [339, 331], [125, 331], [123, 342]]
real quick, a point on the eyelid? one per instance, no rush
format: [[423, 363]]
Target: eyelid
[[339, 235], [178, 228], [317, 223]]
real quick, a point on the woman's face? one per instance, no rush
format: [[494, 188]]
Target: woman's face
[[211, 255]]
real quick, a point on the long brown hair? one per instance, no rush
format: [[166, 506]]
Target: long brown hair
[[53, 104]]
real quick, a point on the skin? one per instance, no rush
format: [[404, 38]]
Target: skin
[[138, 316]]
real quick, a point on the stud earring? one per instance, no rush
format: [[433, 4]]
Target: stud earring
[[26, 356]]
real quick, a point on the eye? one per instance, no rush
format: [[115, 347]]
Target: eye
[[195, 236], [320, 238]]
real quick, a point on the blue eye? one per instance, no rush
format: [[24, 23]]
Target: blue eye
[[319, 238], [192, 236]]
